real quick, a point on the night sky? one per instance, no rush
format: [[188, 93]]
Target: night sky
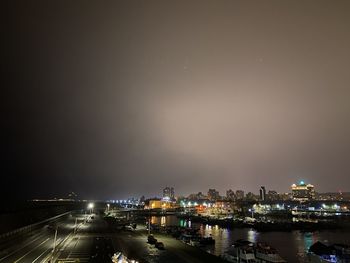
[[120, 98]]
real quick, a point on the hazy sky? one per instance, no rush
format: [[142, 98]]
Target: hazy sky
[[119, 98]]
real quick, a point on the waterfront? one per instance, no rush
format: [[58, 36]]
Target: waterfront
[[291, 245]]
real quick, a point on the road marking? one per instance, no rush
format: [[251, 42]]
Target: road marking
[[20, 248], [74, 247], [57, 247], [30, 251], [41, 255], [59, 224]]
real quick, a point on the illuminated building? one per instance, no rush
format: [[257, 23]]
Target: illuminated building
[[303, 192], [159, 204], [168, 193], [222, 204], [221, 207], [155, 204]]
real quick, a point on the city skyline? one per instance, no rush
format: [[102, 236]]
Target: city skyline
[[169, 193], [125, 98]]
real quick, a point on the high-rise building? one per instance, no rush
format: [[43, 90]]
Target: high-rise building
[[262, 193], [230, 195], [303, 192], [197, 196], [168, 193], [213, 195], [240, 194], [273, 195]]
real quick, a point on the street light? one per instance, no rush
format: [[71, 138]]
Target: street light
[[54, 245], [91, 207], [252, 211]]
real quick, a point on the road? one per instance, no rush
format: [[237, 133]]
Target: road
[[38, 245], [93, 242]]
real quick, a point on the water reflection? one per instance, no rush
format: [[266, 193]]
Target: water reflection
[[154, 220], [308, 240], [184, 223], [252, 236], [163, 221], [291, 245]]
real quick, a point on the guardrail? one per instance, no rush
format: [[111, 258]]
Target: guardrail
[[31, 227]]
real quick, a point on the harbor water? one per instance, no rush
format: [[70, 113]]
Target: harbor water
[[292, 245]]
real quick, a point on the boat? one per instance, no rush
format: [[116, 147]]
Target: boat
[[186, 238], [195, 242], [323, 253], [118, 257], [264, 253], [207, 240], [240, 251]]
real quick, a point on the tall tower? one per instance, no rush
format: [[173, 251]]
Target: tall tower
[[262, 193]]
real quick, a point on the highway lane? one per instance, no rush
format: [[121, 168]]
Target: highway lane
[[38, 245], [20, 243], [80, 246]]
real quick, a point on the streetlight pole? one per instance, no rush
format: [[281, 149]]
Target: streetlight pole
[[75, 225], [54, 241], [149, 222], [54, 244], [91, 207]]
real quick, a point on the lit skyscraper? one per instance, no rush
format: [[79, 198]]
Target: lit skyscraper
[[303, 192]]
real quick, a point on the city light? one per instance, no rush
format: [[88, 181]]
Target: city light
[[204, 116]]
